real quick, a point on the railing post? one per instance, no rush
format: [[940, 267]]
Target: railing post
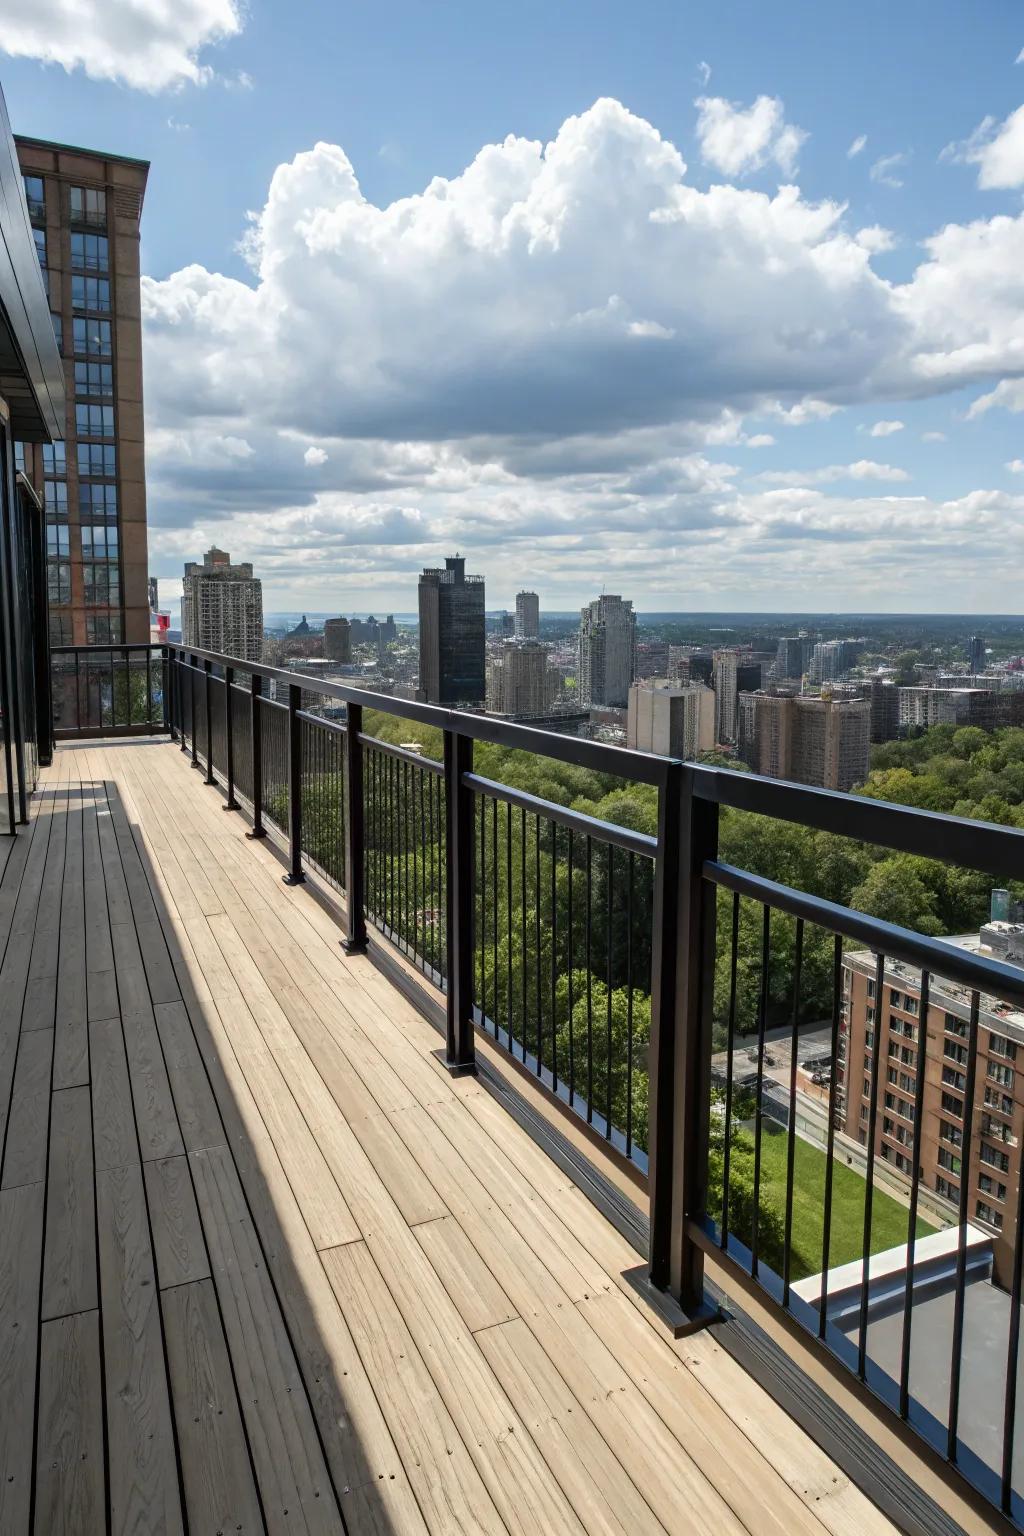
[[682, 991], [256, 739], [355, 939], [229, 739], [171, 711], [192, 708], [180, 666], [208, 709], [294, 875], [165, 680], [460, 1049]]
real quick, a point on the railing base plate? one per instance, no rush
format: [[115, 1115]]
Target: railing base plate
[[256, 832], [354, 946], [678, 1321], [232, 805], [293, 879], [454, 1068]]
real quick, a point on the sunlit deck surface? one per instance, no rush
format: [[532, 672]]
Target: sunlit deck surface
[[265, 1266]]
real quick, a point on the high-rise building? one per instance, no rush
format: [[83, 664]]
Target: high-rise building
[[520, 681], [527, 616], [607, 652], [222, 607], [976, 653], [820, 741], [85, 210], [453, 635], [885, 710], [154, 595], [337, 640], [792, 657], [671, 720], [726, 683]]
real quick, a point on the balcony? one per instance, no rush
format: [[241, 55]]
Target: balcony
[[270, 1260]]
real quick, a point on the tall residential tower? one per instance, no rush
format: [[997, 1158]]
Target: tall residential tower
[[453, 640], [222, 607], [527, 616], [85, 209], [607, 652]]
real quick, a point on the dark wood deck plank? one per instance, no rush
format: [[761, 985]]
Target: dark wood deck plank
[[21, 1241], [174, 1217], [29, 1121], [70, 1472], [69, 1255]]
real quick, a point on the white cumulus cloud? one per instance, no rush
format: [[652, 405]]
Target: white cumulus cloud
[[887, 170], [1016, 466], [997, 149], [858, 144], [314, 456], [150, 44], [886, 428], [739, 140]]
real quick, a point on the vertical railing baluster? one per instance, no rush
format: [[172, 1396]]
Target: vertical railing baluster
[[355, 937], [683, 936], [229, 739], [629, 1004], [588, 952], [192, 668], [794, 1040], [294, 875], [869, 1178], [256, 756], [570, 936], [554, 957], [956, 1363], [170, 692], [730, 1067], [538, 979], [915, 1182], [609, 910], [1012, 1353], [208, 709], [762, 1024], [459, 1054], [149, 686], [830, 1149]]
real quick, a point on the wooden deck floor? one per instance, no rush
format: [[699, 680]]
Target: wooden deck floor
[[265, 1267]]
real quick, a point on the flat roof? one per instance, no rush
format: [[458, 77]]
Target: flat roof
[[80, 149]]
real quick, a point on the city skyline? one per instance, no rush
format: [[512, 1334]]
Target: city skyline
[[848, 430]]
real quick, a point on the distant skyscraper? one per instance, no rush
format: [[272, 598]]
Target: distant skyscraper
[[791, 658], [976, 653], [453, 635], [607, 652], [671, 720], [726, 680], [521, 682], [154, 595], [527, 616], [222, 607], [885, 710], [337, 640]]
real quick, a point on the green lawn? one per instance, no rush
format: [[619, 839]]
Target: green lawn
[[888, 1217]]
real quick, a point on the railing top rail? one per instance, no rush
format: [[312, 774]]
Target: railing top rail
[[375, 744], [102, 646], [980, 845], [576, 821], [936, 956], [618, 762]]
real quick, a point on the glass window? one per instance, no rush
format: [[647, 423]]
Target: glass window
[[96, 500], [92, 293], [92, 337], [955, 1052], [955, 1026], [951, 1133], [954, 1078], [999, 1046], [35, 196], [101, 583], [990, 1186], [55, 460], [1000, 1101], [58, 331], [60, 629], [58, 581], [102, 628], [97, 459], [94, 379], [986, 1213], [945, 1188], [55, 496], [99, 541], [94, 420], [1000, 1074], [88, 205], [953, 1105], [57, 540], [90, 253], [39, 236], [948, 1160], [19, 458], [994, 1158]]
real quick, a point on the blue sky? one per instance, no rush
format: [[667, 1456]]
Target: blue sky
[[569, 392]]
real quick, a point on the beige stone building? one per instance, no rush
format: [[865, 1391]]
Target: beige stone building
[[85, 208], [670, 719]]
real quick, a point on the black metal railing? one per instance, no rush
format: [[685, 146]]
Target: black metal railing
[[107, 690], [682, 1007]]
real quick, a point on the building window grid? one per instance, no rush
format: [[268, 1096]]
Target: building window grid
[[88, 205], [90, 253], [94, 421], [91, 294], [35, 196]]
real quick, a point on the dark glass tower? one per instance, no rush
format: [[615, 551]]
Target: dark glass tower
[[452, 635]]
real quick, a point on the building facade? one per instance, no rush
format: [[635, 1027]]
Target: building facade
[[607, 652], [825, 742], [671, 720], [885, 710], [894, 1022], [520, 681], [337, 640], [453, 635], [222, 607], [85, 209], [527, 625], [726, 683]]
